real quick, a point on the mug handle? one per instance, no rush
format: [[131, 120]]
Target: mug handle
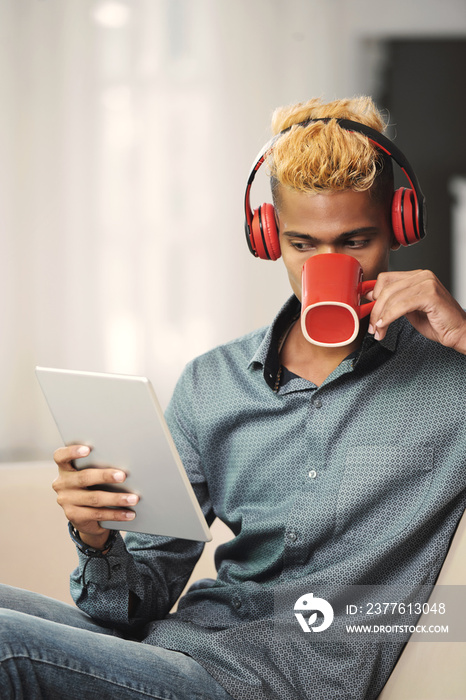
[[365, 309]]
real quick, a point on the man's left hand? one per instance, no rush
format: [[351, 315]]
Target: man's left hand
[[425, 302]]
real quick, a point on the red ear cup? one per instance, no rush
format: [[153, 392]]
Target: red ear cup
[[408, 205], [264, 233], [404, 219]]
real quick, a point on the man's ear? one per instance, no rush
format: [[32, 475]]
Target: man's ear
[[394, 245]]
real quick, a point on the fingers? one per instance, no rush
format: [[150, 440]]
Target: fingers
[[78, 492], [423, 300], [398, 295], [65, 456], [99, 500], [87, 520], [87, 508]]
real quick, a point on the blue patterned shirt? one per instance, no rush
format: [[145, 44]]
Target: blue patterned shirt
[[360, 481]]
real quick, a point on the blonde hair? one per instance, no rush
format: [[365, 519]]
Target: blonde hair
[[323, 156]]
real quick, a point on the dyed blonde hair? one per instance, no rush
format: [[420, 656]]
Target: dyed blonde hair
[[322, 156]]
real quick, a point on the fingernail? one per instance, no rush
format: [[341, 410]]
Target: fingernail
[[377, 335], [132, 499], [119, 476], [83, 451], [129, 515], [379, 323], [371, 329]]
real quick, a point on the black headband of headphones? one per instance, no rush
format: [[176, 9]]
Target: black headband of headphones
[[376, 138]]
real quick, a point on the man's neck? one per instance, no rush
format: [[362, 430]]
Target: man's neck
[[314, 362]]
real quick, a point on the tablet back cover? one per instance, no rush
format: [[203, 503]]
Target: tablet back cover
[[120, 417]]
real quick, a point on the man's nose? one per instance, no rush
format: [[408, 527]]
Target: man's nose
[[325, 248]]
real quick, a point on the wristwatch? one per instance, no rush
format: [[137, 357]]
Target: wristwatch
[[86, 548]]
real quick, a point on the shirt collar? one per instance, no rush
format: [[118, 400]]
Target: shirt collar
[[267, 354]]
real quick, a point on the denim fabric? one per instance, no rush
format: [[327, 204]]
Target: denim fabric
[[42, 657]]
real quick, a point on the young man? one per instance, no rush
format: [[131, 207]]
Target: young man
[[334, 467]]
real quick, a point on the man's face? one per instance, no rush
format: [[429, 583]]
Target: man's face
[[335, 222]]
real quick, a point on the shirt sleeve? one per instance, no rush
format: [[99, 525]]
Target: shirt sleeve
[[150, 571]]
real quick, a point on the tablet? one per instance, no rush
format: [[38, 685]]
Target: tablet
[[120, 418]]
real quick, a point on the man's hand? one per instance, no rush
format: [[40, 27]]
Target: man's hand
[[85, 507], [425, 302]]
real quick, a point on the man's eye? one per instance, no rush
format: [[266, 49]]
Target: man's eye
[[299, 245], [357, 243]]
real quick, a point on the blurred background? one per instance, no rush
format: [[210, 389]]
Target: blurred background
[[128, 128]]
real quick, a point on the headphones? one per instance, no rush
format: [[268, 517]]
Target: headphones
[[408, 204]]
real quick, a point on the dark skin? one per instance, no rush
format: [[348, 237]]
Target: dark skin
[[86, 508], [356, 224], [347, 222]]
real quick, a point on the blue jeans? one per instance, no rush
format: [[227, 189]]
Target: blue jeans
[[50, 650]]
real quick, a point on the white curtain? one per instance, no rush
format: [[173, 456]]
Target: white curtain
[[127, 129]]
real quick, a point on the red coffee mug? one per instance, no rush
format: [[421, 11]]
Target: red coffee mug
[[332, 287]]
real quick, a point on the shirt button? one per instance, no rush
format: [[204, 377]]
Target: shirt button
[[317, 402], [236, 603], [312, 474], [292, 536]]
